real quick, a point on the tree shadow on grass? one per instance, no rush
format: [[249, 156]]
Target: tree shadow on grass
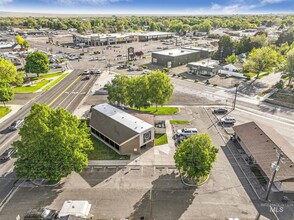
[[167, 199]]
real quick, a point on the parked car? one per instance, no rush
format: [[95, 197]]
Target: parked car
[[102, 91], [220, 111], [187, 132], [16, 124], [116, 46], [139, 69], [86, 77], [55, 66], [7, 154], [41, 214], [228, 120]]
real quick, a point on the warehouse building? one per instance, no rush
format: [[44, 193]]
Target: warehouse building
[[121, 131]]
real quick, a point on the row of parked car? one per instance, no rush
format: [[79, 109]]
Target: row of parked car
[[226, 119]]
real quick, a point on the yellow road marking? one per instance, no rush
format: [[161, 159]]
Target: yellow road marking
[[60, 94]]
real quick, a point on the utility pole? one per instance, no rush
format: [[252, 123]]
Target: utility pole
[[275, 167], [235, 99]]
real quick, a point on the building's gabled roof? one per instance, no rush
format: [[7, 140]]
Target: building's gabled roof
[[117, 124], [264, 143]]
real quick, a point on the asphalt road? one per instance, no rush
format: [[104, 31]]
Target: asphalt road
[[67, 94]]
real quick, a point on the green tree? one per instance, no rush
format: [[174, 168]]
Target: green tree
[[117, 89], [160, 87], [53, 144], [37, 62], [138, 92], [19, 39], [9, 73], [262, 60], [232, 59], [6, 93], [195, 155], [290, 65], [225, 47]]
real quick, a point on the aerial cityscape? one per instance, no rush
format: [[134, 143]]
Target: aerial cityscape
[[146, 110]]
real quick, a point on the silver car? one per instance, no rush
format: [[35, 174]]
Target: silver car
[[16, 124]]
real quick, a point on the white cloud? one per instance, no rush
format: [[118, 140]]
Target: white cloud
[[71, 2], [2, 2], [271, 1]]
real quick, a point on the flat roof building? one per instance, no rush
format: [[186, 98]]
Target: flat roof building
[[179, 56], [117, 38], [120, 130], [205, 67]]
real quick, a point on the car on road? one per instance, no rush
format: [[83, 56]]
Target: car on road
[[228, 120], [7, 154], [86, 72], [86, 77], [41, 214], [16, 124], [220, 111], [186, 132]]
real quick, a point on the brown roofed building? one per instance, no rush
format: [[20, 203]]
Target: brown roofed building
[[120, 130], [262, 144]]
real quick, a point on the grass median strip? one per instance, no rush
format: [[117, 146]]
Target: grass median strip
[[54, 82], [4, 110], [31, 89], [161, 110], [179, 122], [48, 75]]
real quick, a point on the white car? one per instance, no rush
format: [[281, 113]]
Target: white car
[[228, 120], [187, 132]]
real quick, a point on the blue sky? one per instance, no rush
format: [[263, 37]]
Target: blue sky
[[194, 7]]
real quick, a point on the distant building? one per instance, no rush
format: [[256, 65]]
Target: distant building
[[179, 56], [108, 39], [261, 145], [205, 67], [121, 131]]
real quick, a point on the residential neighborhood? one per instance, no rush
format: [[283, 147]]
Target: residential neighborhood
[[138, 116]]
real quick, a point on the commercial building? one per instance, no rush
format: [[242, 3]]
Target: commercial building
[[108, 39], [205, 67], [121, 131], [156, 35], [180, 56], [262, 145]]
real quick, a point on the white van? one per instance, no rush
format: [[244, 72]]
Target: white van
[[187, 132]]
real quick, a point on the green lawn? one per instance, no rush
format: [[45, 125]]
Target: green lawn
[[263, 74], [179, 122], [53, 83], [47, 75], [4, 110], [161, 110], [103, 152], [160, 139], [30, 89]]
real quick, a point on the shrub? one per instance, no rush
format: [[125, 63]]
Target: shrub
[[196, 80], [214, 84], [144, 67], [184, 77], [207, 82], [174, 74], [166, 70], [280, 84]]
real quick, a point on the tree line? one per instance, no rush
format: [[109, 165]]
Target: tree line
[[151, 23]]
